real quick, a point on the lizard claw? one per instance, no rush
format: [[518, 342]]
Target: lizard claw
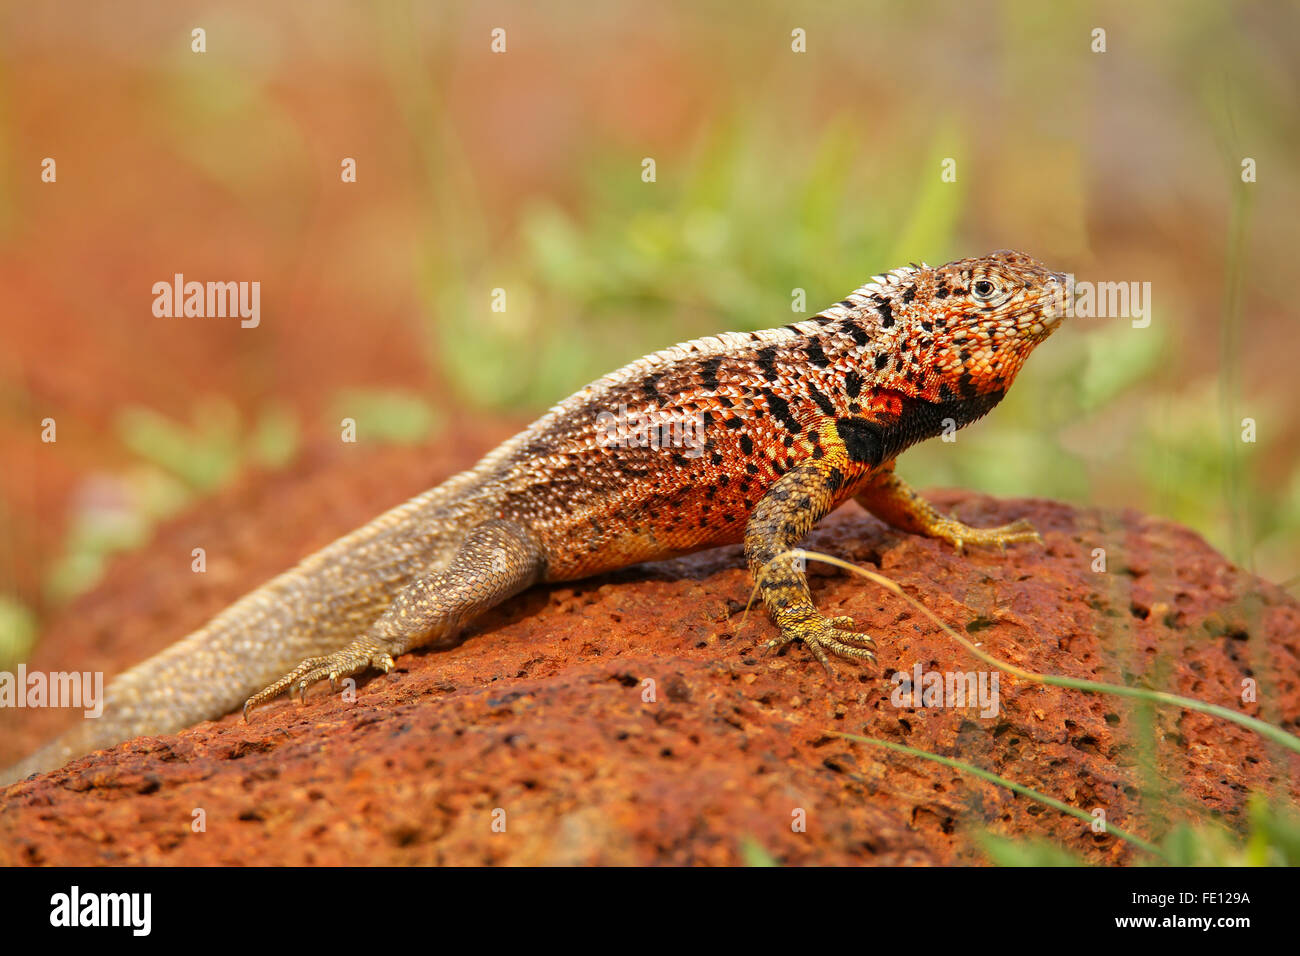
[[825, 637], [353, 659], [960, 535]]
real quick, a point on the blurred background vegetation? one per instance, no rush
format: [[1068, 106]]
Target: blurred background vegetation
[[521, 171]]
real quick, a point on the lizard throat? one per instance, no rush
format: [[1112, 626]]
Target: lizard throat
[[874, 443]]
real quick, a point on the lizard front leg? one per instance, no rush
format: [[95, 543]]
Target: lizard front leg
[[798, 500], [890, 499], [497, 560]]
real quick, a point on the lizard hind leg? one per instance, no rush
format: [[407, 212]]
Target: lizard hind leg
[[497, 560]]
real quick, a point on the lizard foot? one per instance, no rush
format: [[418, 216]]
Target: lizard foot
[[824, 636], [353, 659], [959, 535]]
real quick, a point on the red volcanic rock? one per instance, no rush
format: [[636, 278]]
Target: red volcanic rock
[[631, 719]]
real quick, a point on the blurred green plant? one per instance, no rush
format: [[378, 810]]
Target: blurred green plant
[[696, 252], [1272, 838], [95, 533], [1272, 835], [754, 853], [202, 455], [176, 464], [179, 462], [386, 415], [712, 245], [1025, 851], [17, 632]]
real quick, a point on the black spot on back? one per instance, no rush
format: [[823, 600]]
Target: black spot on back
[[824, 403], [709, 374], [781, 411], [886, 314], [856, 332], [816, 355]]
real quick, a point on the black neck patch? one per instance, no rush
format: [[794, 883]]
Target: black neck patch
[[872, 443], [863, 440]]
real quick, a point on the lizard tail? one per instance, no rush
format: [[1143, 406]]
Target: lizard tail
[[313, 609]]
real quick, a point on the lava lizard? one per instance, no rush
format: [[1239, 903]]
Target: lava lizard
[[742, 436]]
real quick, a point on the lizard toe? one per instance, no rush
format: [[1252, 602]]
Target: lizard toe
[[358, 656], [825, 637]]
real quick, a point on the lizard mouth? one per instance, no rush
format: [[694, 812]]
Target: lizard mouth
[[1051, 308], [1058, 300]]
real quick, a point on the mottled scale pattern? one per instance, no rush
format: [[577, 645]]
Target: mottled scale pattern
[[893, 360], [784, 425]]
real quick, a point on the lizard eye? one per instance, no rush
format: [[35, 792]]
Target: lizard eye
[[984, 289]]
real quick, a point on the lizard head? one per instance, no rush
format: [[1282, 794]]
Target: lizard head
[[1006, 296], [997, 308], [963, 330], [943, 345]]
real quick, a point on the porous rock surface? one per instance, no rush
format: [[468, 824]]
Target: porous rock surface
[[632, 718]]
